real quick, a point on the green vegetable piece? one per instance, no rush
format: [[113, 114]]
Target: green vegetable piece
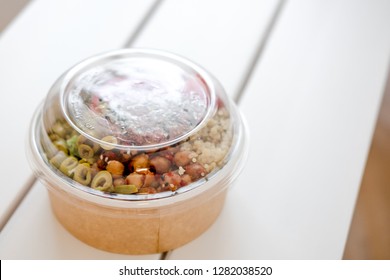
[[68, 165], [72, 145], [126, 189], [102, 181], [85, 151], [82, 174], [58, 159]]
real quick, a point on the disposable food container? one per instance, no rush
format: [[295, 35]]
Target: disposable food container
[[137, 149]]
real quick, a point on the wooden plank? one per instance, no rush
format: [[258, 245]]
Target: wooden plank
[[47, 38], [222, 36], [8, 10], [223, 40], [34, 233], [248, 27], [311, 106]]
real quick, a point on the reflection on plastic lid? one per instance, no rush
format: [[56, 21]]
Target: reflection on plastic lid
[[140, 101]]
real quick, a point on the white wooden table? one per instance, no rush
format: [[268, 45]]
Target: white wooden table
[[308, 76]]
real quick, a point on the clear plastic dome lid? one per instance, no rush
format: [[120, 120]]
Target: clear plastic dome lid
[[135, 123], [144, 102]]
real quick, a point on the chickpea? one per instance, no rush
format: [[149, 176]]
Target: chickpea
[[185, 180], [173, 150], [195, 170], [150, 180], [135, 179], [139, 161], [171, 178], [160, 164], [115, 167], [104, 158], [169, 152], [119, 181], [182, 158], [147, 190]]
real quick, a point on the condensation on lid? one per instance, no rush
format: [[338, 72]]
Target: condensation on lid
[[141, 101]]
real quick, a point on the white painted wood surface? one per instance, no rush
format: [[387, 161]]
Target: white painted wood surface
[[47, 38], [35, 233], [164, 33], [222, 36], [311, 106]]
